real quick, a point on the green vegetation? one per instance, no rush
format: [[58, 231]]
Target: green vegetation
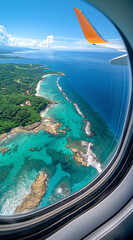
[[18, 104]]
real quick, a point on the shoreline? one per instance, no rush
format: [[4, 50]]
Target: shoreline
[[44, 125], [37, 94], [37, 126]]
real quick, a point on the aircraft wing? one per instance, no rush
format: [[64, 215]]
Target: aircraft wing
[[93, 37], [89, 32], [121, 60]]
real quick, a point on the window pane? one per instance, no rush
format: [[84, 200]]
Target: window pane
[[63, 104]]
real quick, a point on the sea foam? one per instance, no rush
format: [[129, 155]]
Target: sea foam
[[66, 97], [60, 88], [14, 197], [78, 110], [88, 128], [90, 156]]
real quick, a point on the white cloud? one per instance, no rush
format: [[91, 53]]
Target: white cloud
[[46, 43], [31, 43], [4, 37], [8, 40], [57, 43]]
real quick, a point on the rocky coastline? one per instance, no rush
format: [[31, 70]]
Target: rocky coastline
[[47, 124]]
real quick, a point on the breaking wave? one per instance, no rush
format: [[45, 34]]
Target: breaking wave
[[78, 110], [60, 88], [90, 156], [88, 129], [66, 97], [15, 196]]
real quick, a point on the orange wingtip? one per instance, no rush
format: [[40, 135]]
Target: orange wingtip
[[90, 34]]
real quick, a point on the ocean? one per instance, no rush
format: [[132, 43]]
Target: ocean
[[93, 92]]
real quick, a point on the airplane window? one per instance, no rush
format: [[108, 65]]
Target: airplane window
[[64, 96]]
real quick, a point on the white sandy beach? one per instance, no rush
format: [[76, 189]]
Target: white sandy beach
[[37, 94], [42, 113]]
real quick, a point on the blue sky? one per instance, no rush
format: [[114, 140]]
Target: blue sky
[[52, 22]]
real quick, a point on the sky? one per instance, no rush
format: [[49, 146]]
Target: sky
[[52, 24]]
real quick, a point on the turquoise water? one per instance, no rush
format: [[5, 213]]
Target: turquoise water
[[19, 167]]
